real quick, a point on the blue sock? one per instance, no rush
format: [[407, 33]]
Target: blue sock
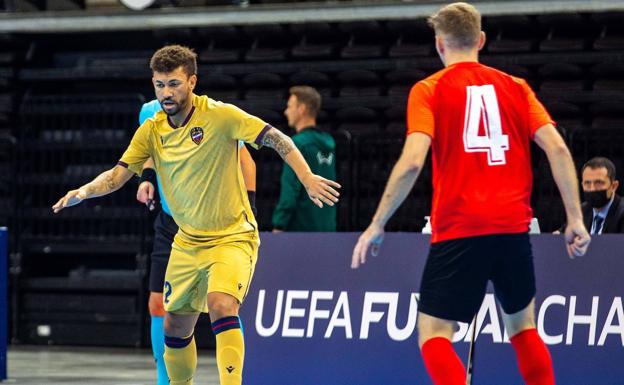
[[158, 348]]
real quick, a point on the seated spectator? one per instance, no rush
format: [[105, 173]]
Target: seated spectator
[[603, 209]]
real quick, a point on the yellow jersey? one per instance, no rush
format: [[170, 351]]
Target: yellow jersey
[[198, 163]]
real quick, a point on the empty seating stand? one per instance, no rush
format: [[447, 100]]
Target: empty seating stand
[[608, 76], [320, 81], [264, 85], [98, 246], [316, 41], [366, 39], [224, 44], [561, 77], [410, 38], [566, 32], [270, 43], [8, 128], [219, 86], [359, 83], [611, 35], [358, 120], [511, 34]]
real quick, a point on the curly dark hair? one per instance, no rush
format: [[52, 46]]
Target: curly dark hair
[[170, 57]]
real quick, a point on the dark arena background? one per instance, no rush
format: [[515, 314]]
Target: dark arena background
[[73, 286]]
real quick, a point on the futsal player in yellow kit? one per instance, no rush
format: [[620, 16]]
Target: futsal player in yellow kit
[[193, 142]]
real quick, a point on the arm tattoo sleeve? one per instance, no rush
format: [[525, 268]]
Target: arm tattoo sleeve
[[103, 184], [281, 143], [110, 183]]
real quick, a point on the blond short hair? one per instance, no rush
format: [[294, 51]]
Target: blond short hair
[[460, 23]]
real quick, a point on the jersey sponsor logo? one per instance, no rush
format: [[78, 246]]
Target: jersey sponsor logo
[[197, 135]]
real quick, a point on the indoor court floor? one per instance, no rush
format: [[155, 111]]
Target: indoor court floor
[[45, 365]]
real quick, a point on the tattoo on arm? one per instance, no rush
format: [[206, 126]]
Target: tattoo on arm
[[110, 183], [104, 183], [281, 143]]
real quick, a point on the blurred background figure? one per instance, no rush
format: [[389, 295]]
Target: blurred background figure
[[294, 211]]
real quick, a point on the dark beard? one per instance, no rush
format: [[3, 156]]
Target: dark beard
[[176, 108]]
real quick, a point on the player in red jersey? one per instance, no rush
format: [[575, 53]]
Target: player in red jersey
[[479, 122]]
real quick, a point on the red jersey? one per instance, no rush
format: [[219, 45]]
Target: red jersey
[[481, 121]]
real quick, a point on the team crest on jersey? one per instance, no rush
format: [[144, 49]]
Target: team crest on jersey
[[197, 134]]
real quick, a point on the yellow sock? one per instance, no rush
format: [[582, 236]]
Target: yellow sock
[[230, 350], [180, 359]]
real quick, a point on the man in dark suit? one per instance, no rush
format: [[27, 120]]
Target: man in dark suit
[[603, 209]]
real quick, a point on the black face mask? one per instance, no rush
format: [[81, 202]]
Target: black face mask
[[596, 199]]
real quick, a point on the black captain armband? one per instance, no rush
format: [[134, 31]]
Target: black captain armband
[[252, 201], [148, 175]]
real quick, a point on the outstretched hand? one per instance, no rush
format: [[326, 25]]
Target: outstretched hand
[[371, 238], [72, 198], [321, 190], [577, 239]]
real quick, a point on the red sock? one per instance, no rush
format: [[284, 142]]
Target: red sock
[[442, 363], [533, 358]]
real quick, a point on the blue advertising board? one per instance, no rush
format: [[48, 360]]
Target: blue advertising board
[[311, 320]]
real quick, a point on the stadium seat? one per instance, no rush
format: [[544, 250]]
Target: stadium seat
[[316, 41], [607, 115], [272, 117], [611, 37], [269, 43], [219, 87], [396, 116], [567, 115], [599, 140], [263, 86], [510, 34], [366, 40], [566, 32], [358, 120], [225, 44], [401, 81], [522, 72], [320, 81], [359, 83], [608, 76], [412, 38], [127, 59], [561, 76]]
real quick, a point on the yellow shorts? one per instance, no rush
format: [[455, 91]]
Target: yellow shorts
[[193, 272]]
